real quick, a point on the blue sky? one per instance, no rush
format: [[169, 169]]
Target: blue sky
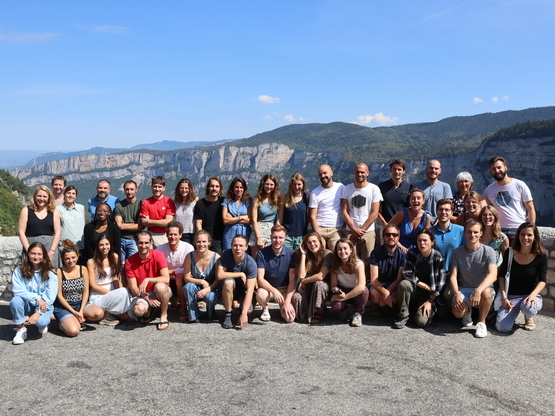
[[74, 75]]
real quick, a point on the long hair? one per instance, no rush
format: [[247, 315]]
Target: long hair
[[274, 195], [189, 198], [537, 245], [50, 206], [230, 196], [45, 266], [351, 262], [214, 178], [113, 259], [69, 246], [289, 197], [314, 261], [496, 227]]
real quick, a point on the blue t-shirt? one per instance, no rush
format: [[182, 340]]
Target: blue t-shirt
[[247, 266], [433, 193], [448, 241], [276, 267], [110, 200], [388, 264]]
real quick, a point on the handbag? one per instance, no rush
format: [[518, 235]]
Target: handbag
[[498, 302]]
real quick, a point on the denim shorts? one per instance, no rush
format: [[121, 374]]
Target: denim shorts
[[466, 293]]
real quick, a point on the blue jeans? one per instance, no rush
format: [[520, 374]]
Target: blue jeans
[[506, 319], [190, 292], [21, 308], [128, 248]]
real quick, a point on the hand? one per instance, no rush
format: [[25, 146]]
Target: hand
[[278, 297], [402, 247], [532, 301], [260, 243], [204, 284], [51, 255], [475, 298], [80, 317], [508, 304], [338, 297], [142, 287], [202, 293], [459, 303], [243, 320], [42, 305], [288, 312], [34, 318], [302, 250], [152, 301], [386, 299], [427, 309]]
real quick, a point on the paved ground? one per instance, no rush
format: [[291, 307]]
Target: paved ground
[[279, 369]]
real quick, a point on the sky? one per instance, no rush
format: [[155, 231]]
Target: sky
[[76, 75]]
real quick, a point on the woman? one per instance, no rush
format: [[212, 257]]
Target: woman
[[464, 182], [235, 212], [293, 209], [34, 291], [73, 291], [423, 280], [473, 203], [348, 280], [313, 266], [200, 277], [493, 237], [264, 213], [108, 296], [526, 281], [185, 201], [40, 221], [72, 217], [101, 225], [412, 219]]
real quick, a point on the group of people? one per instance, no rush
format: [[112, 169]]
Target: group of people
[[440, 253]]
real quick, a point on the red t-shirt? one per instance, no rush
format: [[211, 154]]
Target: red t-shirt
[[137, 268], [157, 209]]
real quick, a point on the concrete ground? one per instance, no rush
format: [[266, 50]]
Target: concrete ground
[[279, 369]]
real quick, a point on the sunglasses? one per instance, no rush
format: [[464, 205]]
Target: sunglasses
[[391, 234]]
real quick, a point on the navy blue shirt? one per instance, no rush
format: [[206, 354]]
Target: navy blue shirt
[[247, 266], [448, 241], [394, 198], [295, 219], [276, 267], [388, 264]]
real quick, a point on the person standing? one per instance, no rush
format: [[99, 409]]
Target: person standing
[[157, 211], [433, 188], [103, 189], [395, 192], [207, 214], [126, 216], [293, 211], [72, 217]]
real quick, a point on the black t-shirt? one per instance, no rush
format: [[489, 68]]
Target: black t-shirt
[[524, 277], [210, 213]]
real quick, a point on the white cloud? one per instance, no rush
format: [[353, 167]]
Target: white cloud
[[495, 100], [266, 99], [477, 100], [60, 90], [290, 118], [114, 30], [505, 98], [378, 119], [23, 37]]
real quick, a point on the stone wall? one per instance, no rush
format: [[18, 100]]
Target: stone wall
[[10, 250]]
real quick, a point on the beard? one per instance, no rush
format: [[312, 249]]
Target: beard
[[499, 176]]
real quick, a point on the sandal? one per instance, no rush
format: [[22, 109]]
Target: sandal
[[184, 318], [317, 318], [162, 325], [530, 326], [265, 317]]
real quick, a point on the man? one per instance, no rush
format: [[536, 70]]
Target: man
[[157, 211], [237, 272], [360, 204], [58, 185], [148, 279], [511, 197], [126, 215], [448, 236], [208, 213], [324, 207], [276, 276], [433, 188], [395, 192], [175, 252], [386, 270], [473, 272], [103, 189]]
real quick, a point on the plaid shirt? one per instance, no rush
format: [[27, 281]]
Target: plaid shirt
[[434, 261]]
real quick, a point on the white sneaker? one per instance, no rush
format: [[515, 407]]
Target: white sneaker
[[356, 319], [43, 329], [20, 336], [467, 319], [481, 330]]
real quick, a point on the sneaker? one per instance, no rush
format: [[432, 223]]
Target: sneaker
[[43, 329], [227, 324], [481, 330], [20, 336], [109, 320], [467, 319], [400, 323], [356, 320]]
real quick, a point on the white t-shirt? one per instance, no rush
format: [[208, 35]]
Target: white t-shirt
[[348, 280], [509, 200], [327, 202], [176, 259], [360, 202]]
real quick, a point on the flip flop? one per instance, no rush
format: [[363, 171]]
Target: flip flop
[[165, 325], [317, 318], [265, 317]]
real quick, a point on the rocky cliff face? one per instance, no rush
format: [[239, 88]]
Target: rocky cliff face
[[528, 160]]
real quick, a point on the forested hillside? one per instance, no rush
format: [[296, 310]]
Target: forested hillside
[[12, 194]]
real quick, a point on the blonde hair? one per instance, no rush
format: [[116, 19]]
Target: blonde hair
[[50, 206]]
